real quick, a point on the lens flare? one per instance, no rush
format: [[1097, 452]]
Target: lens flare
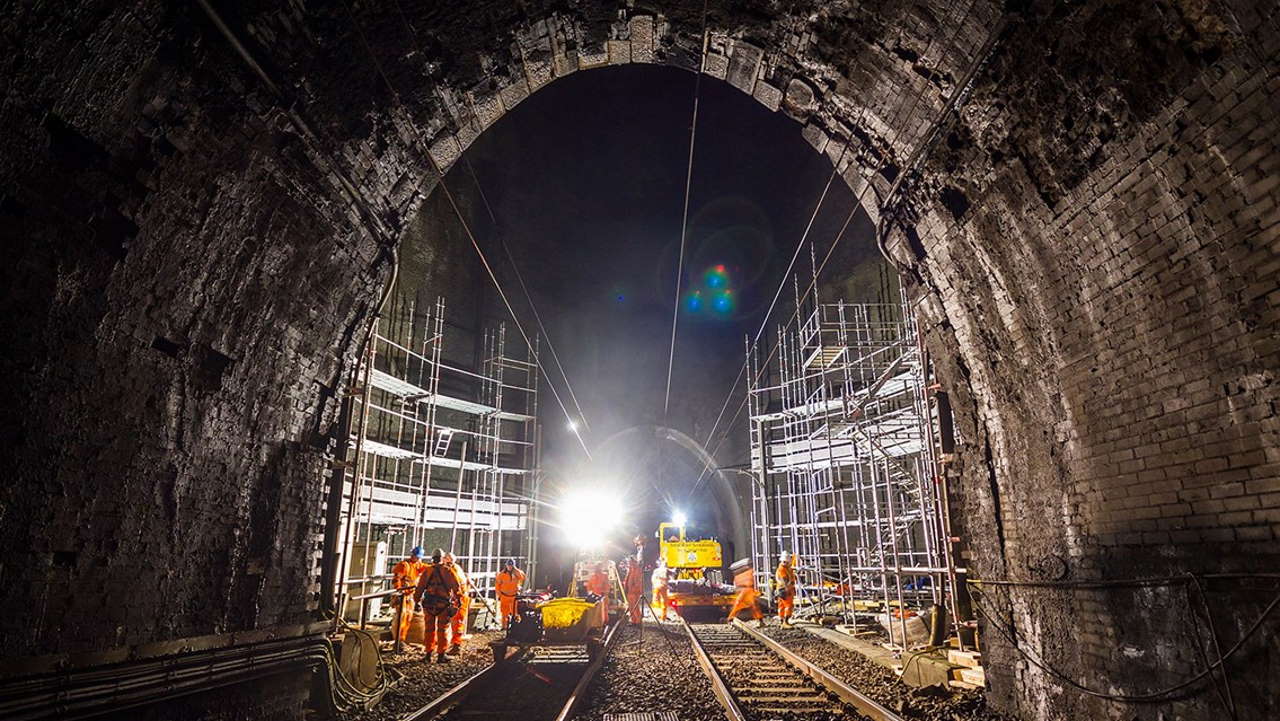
[[722, 303], [694, 301], [716, 276]]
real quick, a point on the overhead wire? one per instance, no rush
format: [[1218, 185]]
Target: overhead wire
[[901, 127], [684, 218], [466, 227], [484, 198]]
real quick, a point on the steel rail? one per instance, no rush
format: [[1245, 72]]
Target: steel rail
[[863, 703], [580, 690], [450, 698], [454, 694], [721, 690]]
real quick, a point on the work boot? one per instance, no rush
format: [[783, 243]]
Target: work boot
[[759, 623], [442, 658], [455, 650]]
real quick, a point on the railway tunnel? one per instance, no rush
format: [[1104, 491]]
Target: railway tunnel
[[289, 283]]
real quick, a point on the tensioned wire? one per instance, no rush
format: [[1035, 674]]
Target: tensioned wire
[[684, 217], [910, 111]]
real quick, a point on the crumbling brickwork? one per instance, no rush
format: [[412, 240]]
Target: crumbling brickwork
[[201, 235]]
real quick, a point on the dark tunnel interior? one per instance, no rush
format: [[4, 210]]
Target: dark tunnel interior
[[954, 324]]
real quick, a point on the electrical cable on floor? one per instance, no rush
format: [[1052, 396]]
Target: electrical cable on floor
[[1011, 637], [910, 113], [466, 227], [537, 317], [684, 217]]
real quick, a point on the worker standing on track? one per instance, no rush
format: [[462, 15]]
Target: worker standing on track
[[507, 585], [437, 595], [785, 583], [459, 621], [634, 587], [659, 579], [404, 578]]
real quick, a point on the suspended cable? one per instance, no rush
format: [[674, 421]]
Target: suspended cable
[[466, 227], [684, 217], [910, 113], [528, 297]]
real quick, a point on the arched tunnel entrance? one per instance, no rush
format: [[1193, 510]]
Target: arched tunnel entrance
[[206, 203]]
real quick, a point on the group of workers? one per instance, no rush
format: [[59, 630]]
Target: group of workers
[[441, 592], [784, 583]]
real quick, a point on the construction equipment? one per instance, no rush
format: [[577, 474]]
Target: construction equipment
[[696, 588]]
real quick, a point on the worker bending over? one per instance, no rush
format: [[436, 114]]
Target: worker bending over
[[634, 587], [507, 585], [747, 600], [659, 579], [785, 583], [459, 621], [404, 578], [437, 596]]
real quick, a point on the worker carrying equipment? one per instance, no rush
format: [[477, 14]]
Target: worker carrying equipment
[[785, 584], [437, 595], [404, 578], [748, 596], [507, 585], [659, 579], [459, 620], [634, 587]]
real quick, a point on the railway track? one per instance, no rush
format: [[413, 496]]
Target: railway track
[[756, 679], [540, 682]]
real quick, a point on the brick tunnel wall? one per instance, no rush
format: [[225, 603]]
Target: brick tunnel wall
[[1106, 310], [1092, 237]]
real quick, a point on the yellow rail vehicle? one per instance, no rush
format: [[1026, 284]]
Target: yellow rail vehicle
[[695, 571]]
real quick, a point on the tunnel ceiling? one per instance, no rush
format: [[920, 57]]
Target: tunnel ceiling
[[1080, 197]]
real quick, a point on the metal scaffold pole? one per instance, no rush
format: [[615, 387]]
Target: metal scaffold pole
[[843, 447]]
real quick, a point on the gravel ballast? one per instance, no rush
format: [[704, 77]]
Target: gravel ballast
[[423, 680], [880, 683], [649, 670]]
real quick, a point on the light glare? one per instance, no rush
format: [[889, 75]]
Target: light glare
[[588, 516]]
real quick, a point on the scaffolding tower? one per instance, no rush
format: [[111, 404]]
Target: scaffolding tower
[[845, 466], [440, 456]]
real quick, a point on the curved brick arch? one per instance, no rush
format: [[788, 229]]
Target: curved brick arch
[[1090, 233]]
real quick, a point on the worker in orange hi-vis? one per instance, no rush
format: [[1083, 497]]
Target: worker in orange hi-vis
[[634, 587], [598, 584], [437, 595], [747, 600], [404, 578], [785, 583], [507, 584], [458, 622], [659, 579]]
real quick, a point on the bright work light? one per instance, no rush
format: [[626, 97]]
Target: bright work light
[[679, 518], [588, 516]]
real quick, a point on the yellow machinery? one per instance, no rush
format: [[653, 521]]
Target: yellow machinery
[[694, 568]]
